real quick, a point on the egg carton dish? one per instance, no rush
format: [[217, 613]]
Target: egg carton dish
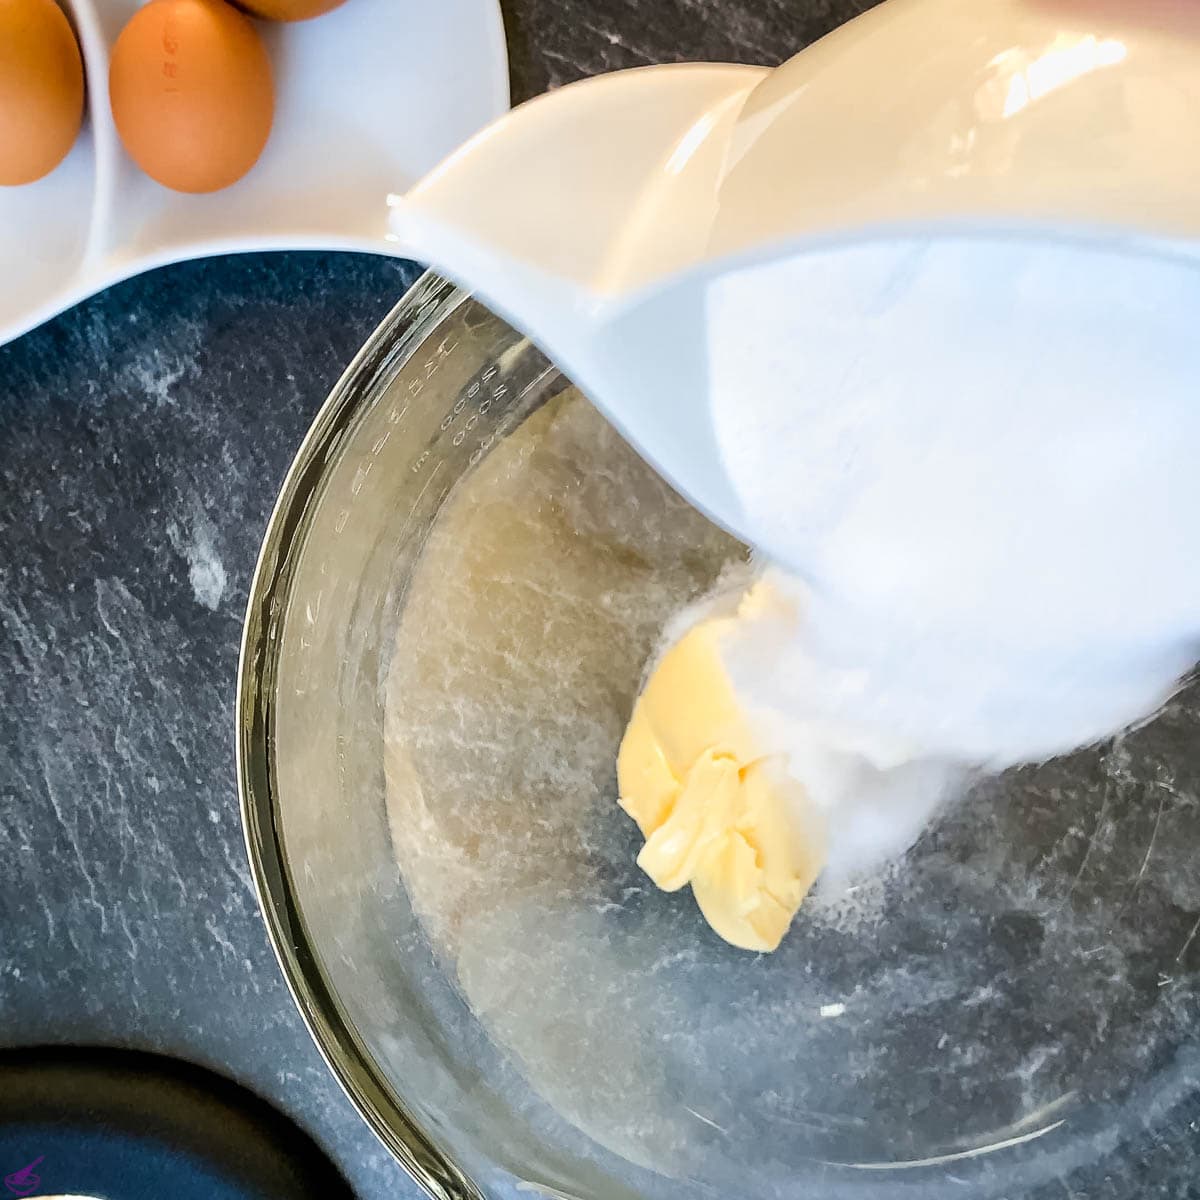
[[367, 98]]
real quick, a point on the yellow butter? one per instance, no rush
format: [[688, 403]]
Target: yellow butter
[[690, 705], [648, 788], [705, 810], [716, 811]]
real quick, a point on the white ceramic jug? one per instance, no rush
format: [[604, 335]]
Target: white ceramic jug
[[585, 212]]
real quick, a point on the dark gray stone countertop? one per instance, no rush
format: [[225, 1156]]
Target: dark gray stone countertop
[[143, 437]]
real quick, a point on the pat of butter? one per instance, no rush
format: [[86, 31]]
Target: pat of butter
[[716, 811]]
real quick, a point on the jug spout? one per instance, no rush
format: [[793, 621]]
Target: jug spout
[[557, 312], [571, 216], [608, 184], [617, 348]]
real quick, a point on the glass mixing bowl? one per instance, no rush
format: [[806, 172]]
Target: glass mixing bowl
[[462, 582]]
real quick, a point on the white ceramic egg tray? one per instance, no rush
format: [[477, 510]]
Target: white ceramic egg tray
[[368, 98]]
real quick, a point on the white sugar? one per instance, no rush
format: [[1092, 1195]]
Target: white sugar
[[981, 456]]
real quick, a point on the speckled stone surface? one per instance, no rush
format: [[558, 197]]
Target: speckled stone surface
[[143, 437]]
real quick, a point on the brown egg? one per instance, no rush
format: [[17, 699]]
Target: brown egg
[[191, 91], [41, 89], [288, 10]]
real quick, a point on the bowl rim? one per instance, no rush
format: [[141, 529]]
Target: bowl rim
[[402, 1133]]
